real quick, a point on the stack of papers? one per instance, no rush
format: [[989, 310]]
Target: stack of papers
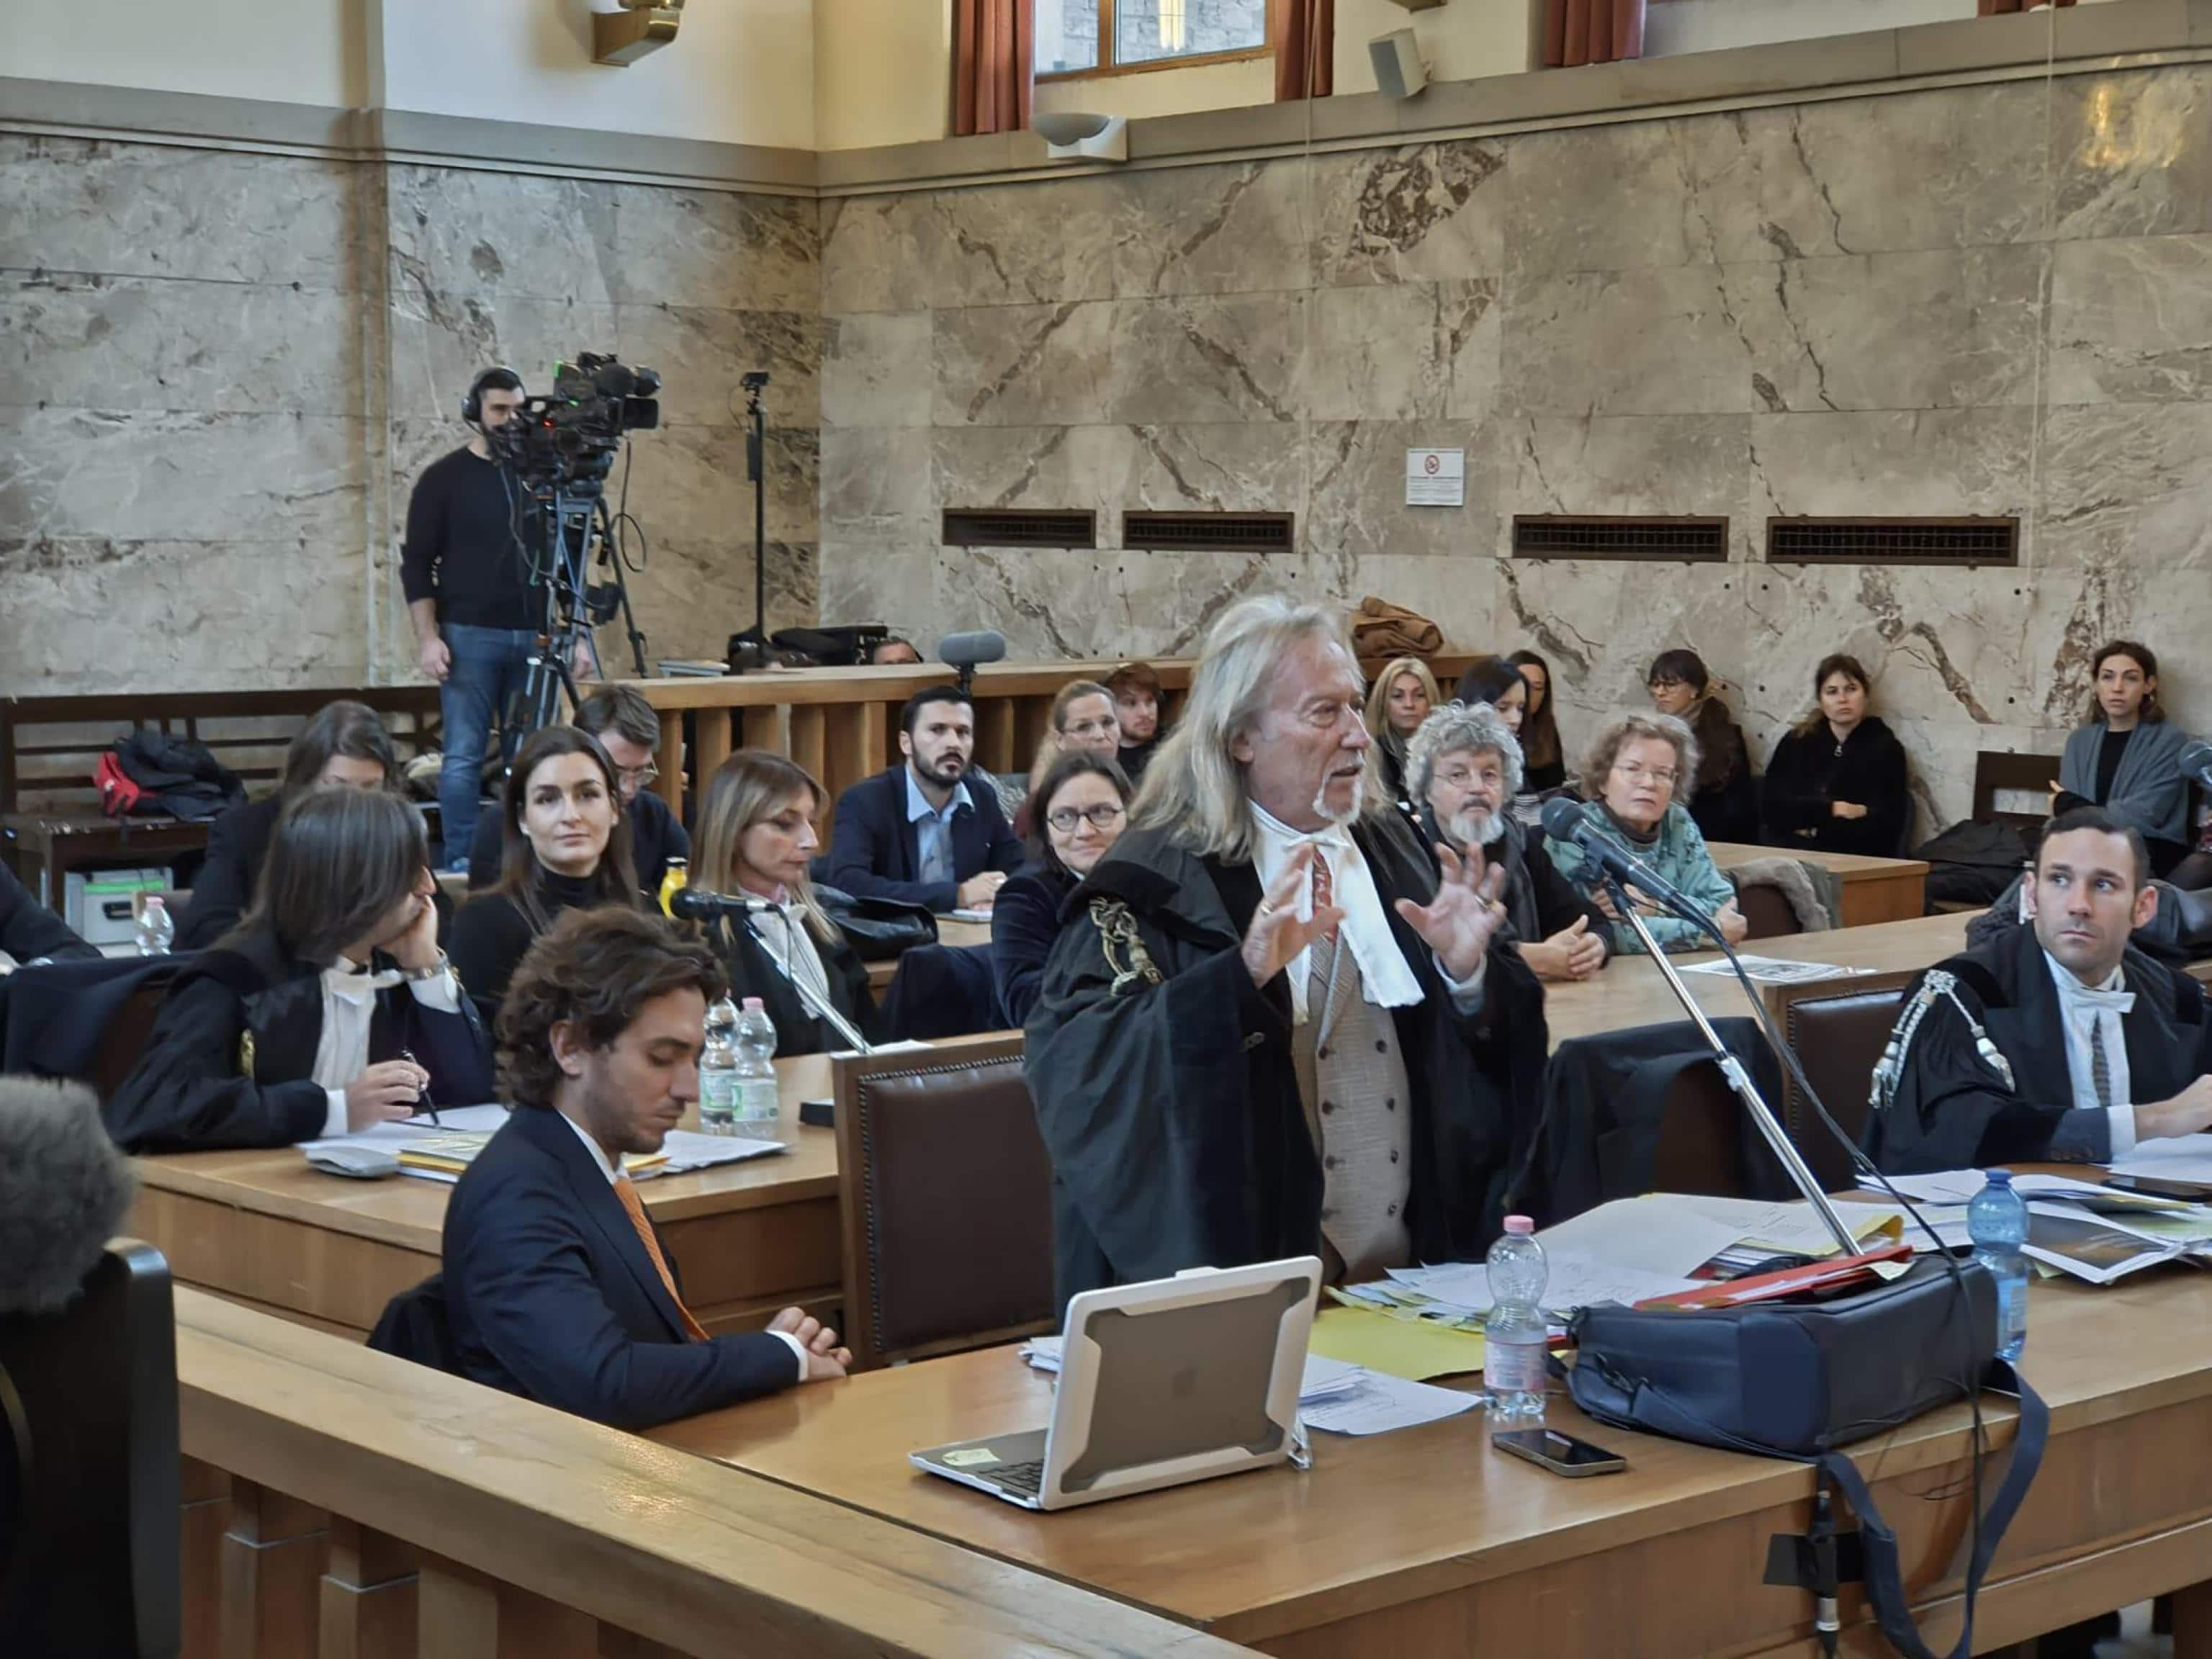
[[440, 1151], [2092, 1247], [2182, 1158], [1772, 971]]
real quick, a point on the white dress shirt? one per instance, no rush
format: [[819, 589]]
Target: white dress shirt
[[2081, 1007], [789, 932], [348, 1006], [1387, 979], [613, 1172]]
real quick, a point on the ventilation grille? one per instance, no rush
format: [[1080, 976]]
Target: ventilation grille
[[967, 527], [1892, 541], [1648, 538], [1225, 532]]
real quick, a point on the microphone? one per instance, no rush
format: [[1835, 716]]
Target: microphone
[[1569, 821], [64, 1189], [2197, 762], [697, 904], [965, 651]]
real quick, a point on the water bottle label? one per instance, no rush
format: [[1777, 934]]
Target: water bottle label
[[1513, 1367], [718, 1093], [756, 1099]]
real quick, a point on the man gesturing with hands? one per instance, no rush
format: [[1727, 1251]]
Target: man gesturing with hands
[[1268, 1028]]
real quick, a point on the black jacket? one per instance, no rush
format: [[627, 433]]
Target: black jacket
[[238, 844], [492, 931], [1025, 923], [1953, 1111], [656, 835], [469, 530], [29, 931], [550, 1294], [1724, 798], [1539, 901], [754, 973], [874, 852], [1809, 772], [231, 1057], [1165, 1086]]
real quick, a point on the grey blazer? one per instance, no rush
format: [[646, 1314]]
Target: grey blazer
[[2149, 791]]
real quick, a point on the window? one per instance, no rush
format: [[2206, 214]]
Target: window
[[1093, 37]]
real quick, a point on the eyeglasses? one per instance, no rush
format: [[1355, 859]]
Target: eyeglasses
[[1635, 773], [1104, 816], [636, 777], [1460, 777]]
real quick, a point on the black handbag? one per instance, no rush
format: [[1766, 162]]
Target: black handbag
[[1800, 1381], [880, 929]]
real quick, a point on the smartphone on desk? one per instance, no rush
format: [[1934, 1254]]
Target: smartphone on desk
[[1562, 1454], [2185, 1192]]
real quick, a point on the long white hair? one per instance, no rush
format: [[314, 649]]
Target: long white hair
[[1194, 786]]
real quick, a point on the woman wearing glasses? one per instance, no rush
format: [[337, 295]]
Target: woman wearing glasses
[[1636, 767], [1081, 802]]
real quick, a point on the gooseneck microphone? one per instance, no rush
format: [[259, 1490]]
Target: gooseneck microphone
[[1573, 820], [64, 1189], [965, 652], [698, 904]]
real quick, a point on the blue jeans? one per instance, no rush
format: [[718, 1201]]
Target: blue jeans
[[489, 666]]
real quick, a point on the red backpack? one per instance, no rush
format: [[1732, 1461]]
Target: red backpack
[[118, 795]]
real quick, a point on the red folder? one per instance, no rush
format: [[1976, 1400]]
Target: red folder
[[1826, 1277]]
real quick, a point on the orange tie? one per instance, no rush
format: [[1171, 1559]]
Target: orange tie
[[626, 1190], [1324, 885]]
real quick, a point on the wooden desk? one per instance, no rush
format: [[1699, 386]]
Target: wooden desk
[[1629, 991], [262, 1228], [1873, 890], [949, 932], [1426, 1542]]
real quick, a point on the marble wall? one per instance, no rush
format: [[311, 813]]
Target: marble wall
[[1992, 299], [220, 373]]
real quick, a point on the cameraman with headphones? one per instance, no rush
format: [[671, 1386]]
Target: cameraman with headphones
[[466, 571]]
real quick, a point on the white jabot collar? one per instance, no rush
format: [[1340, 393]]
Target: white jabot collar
[[1386, 979]]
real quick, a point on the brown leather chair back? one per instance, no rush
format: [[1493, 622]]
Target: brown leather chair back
[[1766, 907], [946, 1197], [1700, 1137], [1837, 1029]]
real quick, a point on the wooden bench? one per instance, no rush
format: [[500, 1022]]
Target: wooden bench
[[50, 816]]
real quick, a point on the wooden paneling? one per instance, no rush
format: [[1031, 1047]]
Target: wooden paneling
[[1872, 889]]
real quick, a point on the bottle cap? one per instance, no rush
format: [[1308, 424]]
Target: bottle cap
[[1519, 1225], [153, 901], [754, 1005], [2000, 1177]]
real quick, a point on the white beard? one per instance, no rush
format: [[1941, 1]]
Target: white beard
[[1321, 802], [1473, 827]]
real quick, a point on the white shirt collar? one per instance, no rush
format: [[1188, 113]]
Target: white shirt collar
[[1386, 979], [612, 1171], [348, 979]]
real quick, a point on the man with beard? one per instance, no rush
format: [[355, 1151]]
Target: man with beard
[[1462, 765], [1267, 1028], [2059, 1041], [917, 833]]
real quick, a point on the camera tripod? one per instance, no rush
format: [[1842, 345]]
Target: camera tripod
[[576, 526]]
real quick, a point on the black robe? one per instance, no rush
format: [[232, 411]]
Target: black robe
[[1953, 1111], [1169, 1102], [1810, 771], [231, 1059], [754, 973]]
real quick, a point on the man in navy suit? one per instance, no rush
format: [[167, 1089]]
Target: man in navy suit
[[918, 833], [556, 1286]]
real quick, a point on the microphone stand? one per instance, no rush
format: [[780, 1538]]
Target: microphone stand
[[818, 1004], [1762, 1115]]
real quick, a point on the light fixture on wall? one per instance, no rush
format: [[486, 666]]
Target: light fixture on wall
[[1075, 135], [639, 29]]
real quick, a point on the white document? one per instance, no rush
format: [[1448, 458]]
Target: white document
[[2096, 1247], [1944, 1187], [2178, 1158], [963, 913], [687, 1149], [1379, 1403], [1666, 1233], [1772, 971], [1794, 1227], [1573, 1281]]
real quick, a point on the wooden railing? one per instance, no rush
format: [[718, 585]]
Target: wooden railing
[[344, 1503], [841, 724]]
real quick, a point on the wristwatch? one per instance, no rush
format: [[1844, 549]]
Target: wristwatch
[[437, 969]]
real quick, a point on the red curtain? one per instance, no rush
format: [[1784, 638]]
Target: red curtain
[[1992, 7], [1578, 31], [993, 59], [1304, 33]]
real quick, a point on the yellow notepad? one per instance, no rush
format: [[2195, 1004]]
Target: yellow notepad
[[1416, 1349]]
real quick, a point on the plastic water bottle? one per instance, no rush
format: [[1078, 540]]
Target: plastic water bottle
[[718, 1071], [156, 931], [1515, 1337], [1997, 1223], [756, 1073]]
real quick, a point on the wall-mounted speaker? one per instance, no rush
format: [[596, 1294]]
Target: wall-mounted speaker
[[1397, 59]]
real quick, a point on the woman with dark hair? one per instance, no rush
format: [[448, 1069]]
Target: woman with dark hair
[[343, 743], [1837, 782], [565, 846], [1723, 800], [1398, 700], [328, 1009], [2126, 758], [1543, 757], [1496, 681], [755, 836], [1080, 805]]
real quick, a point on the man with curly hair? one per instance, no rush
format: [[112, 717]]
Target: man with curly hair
[[557, 1286]]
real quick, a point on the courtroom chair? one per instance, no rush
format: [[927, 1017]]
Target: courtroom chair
[[945, 1194], [413, 1326], [1837, 1028], [2030, 776], [940, 991], [1701, 1147], [1767, 910]]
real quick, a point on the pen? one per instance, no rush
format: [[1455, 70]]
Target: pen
[[422, 1100]]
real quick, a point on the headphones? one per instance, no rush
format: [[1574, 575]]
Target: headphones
[[473, 405]]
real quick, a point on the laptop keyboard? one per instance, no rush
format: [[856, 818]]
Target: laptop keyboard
[[1021, 1478]]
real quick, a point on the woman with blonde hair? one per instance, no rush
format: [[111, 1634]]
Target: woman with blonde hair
[[1637, 767], [756, 838], [1397, 703]]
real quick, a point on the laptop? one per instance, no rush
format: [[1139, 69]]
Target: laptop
[[1161, 1383]]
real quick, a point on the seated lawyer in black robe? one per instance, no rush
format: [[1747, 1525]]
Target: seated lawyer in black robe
[[2092, 1045], [1181, 1054], [753, 952]]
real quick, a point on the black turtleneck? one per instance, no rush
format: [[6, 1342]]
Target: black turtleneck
[[494, 929], [1629, 832]]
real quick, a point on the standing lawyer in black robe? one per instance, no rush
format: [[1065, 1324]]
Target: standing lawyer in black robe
[[2092, 1046], [1180, 1055]]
